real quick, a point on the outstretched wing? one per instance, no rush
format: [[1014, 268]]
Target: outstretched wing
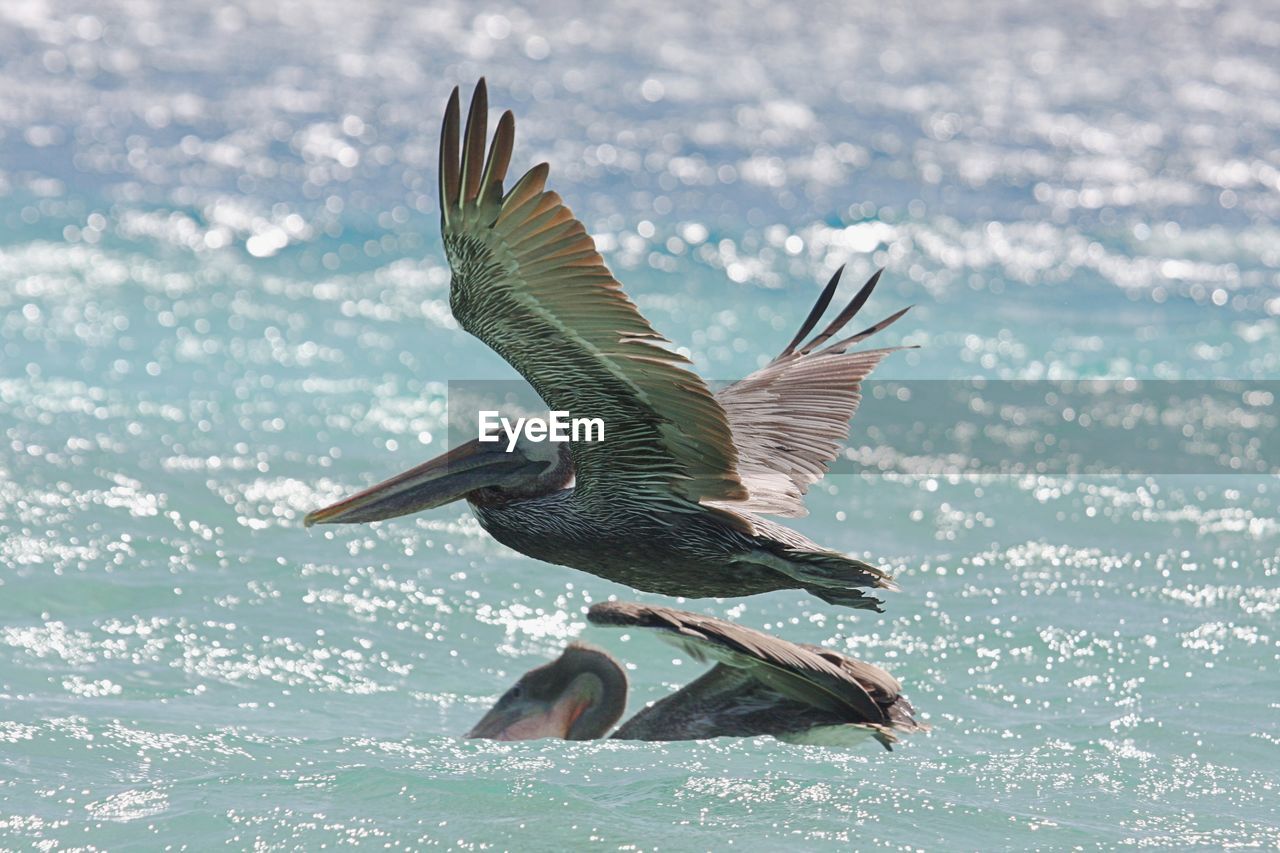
[[790, 417], [528, 281], [792, 673]]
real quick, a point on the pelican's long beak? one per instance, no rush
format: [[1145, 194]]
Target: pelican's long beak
[[443, 480], [530, 719], [525, 720]]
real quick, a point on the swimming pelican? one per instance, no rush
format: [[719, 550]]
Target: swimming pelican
[[760, 685], [670, 500]]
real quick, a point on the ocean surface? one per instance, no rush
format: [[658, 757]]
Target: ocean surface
[[223, 303]]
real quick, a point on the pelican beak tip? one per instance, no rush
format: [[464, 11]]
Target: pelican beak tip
[[316, 516]]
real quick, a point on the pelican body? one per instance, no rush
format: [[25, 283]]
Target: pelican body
[[760, 685], [695, 555], [672, 499]]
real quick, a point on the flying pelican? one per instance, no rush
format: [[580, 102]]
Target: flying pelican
[[670, 500], [760, 685]]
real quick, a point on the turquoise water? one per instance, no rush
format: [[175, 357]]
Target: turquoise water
[[224, 304]]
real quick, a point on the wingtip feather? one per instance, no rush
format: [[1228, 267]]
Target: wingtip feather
[[473, 141], [869, 331], [495, 167], [449, 162], [815, 313], [850, 310]]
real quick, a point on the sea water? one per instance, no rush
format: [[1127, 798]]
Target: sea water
[[223, 304]]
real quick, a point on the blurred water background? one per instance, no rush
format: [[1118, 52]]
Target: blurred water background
[[223, 303]]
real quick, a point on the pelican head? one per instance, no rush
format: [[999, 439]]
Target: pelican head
[[480, 471], [578, 696]]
